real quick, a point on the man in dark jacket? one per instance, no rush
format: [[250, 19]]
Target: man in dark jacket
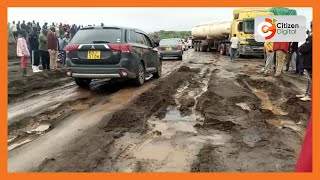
[[291, 56], [38, 28], [29, 27], [45, 26], [306, 51], [53, 48], [23, 25], [33, 40]]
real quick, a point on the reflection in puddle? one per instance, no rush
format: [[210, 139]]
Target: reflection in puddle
[[173, 114]]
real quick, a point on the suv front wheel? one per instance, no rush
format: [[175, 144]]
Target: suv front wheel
[[83, 83]]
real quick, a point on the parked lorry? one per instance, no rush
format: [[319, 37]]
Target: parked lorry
[[216, 35]]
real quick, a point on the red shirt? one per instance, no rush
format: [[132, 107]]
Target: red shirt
[[52, 41], [281, 46]]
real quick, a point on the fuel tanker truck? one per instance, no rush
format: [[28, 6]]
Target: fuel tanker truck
[[216, 35]]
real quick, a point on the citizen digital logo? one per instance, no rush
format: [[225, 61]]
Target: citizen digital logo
[[280, 28]]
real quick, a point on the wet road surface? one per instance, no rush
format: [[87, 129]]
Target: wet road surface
[[204, 115]]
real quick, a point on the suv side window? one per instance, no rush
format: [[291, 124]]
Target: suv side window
[[136, 38], [147, 40]]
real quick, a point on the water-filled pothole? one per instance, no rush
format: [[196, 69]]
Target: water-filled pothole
[[265, 101]]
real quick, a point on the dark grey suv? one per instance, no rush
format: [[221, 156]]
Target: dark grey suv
[[112, 52]]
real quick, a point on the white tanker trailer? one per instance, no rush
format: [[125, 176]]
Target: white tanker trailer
[[213, 35]]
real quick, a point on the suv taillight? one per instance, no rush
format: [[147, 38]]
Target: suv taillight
[[72, 47], [180, 47], [121, 47]]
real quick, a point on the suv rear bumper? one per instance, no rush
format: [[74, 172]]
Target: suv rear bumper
[[99, 72]]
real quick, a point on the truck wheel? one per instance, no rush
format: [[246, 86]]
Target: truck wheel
[[228, 51], [139, 80], [222, 49], [83, 83], [196, 46], [204, 48]]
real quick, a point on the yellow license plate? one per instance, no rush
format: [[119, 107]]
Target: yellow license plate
[[94, 54], [168, 48]]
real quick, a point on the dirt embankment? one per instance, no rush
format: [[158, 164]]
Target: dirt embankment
[[19, 86], [91, 150], [35, 83]]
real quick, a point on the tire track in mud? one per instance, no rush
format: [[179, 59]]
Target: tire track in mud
[[29, 128], [262, 140], [81, 156]]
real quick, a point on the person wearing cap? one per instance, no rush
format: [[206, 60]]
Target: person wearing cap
[[52, 47]]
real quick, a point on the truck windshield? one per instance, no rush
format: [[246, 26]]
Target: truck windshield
[[249, 27]]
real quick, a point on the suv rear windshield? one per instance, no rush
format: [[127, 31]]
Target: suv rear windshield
[[88, 36], [169, 42]]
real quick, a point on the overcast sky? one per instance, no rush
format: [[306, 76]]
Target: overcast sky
[[146, 19]]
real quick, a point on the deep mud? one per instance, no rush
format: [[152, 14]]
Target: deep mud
[[262, 139], [132, 118]]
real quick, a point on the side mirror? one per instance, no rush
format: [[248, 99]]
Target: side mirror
[[240, 28], [155, 44]]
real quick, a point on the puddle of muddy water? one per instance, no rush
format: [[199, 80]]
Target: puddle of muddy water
[[173, 114], [41, 128], [244, 106], [266, 103]]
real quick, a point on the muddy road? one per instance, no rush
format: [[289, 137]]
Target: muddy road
[[204, 115]]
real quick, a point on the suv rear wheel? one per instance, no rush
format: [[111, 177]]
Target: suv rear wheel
[[159, 70], [83, 83], [139, 80]]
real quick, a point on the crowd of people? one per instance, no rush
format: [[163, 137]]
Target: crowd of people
[[281, 56], [46, 44]]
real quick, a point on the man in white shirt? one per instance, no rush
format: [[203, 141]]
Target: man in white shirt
[[234, 47], [14, 31]]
